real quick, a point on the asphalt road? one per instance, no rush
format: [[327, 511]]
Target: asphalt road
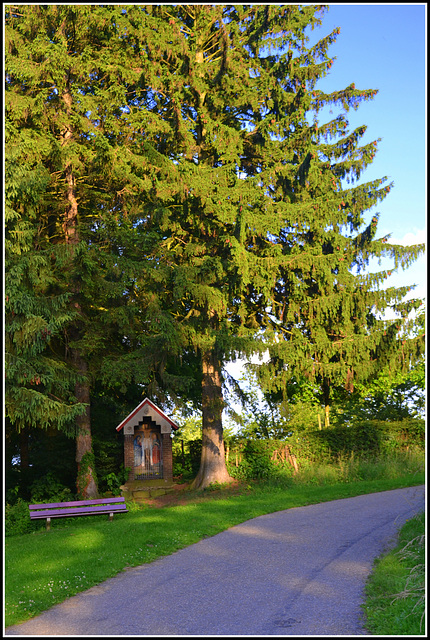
[[295, 572]]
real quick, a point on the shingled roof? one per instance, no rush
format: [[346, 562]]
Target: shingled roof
[[148, 409]]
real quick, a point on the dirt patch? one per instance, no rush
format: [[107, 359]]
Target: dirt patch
[[182, 494]]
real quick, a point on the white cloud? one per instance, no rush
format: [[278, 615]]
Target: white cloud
[[417, 236]]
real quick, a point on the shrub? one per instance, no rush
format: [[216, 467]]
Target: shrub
[[50, 489], [369, 437], [46, 489], [17, 519], [256, 462], [113, 481], [195, 447], [181, 470]]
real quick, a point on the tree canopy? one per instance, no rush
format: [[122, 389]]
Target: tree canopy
[[174, 202]]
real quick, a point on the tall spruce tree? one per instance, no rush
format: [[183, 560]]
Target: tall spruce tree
[[75, 177], [258, 232], [217, 100], [326, 315]]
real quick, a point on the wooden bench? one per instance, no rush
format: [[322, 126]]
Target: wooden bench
[[77, 508]]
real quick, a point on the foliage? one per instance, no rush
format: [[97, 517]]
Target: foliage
[[326, 314], [370, 437], [114, 481], [169, 207], [257, 461], [388, 397], [107, 411], [50, 452], [260, 458], [74, 187], [17, 520], [187, 446], [45, 489], [49, 489], [267, 417]]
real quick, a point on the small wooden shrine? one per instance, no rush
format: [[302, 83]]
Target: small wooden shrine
[[147, 451]]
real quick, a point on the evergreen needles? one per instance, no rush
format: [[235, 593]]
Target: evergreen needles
[[173, 202]]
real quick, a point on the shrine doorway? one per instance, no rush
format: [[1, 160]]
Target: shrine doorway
[[147, 452]]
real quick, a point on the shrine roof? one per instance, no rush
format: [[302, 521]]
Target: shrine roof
[[147, 409]]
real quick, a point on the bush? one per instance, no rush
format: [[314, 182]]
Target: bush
[[184, 471], [402, 434], [113, 481], [46, 489], [369, 437], [50, 489], [256, 461], [17, 519]]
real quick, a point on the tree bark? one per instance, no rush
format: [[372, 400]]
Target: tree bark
[[86, 482], [24, 448], [326, 395], [212, 464]]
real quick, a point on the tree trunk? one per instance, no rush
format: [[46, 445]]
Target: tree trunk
[[86, 482], [212, 464], [326, 396], [24, 448]]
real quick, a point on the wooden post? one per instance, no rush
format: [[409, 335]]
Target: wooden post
[[295, 465], [183, 453]]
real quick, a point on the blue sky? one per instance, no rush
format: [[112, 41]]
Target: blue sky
[[382, 46]]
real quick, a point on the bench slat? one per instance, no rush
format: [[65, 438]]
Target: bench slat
[[82, 503], [77, 511]]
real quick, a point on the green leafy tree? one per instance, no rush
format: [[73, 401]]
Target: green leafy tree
[[178, 208], [259, 235], [261, 417], [252, 244]]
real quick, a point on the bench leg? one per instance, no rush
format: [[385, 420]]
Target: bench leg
[[110, 517], [48, 524]]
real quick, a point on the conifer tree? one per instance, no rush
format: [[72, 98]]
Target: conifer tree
[[75, 178], [327, 311], [257, 229], [211, 91], [187, 199]]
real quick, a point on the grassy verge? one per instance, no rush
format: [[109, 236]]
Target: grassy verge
[[395, 590], [45, 568]]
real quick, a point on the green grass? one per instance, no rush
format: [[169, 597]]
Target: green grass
[[395, 590], [45, 568]]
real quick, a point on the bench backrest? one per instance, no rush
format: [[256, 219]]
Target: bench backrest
[[77, 508], [80, 503]]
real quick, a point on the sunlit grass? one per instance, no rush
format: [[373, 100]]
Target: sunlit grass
[[395, 590], [352, 468]]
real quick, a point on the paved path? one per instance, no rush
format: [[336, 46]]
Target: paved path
[[295, 572]]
